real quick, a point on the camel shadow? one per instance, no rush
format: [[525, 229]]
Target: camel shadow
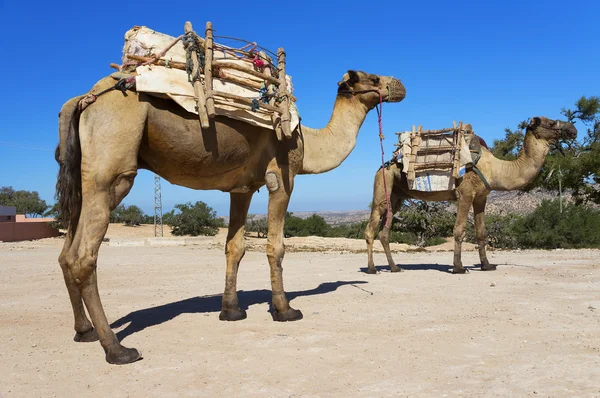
[[142, 319], [419, 267]]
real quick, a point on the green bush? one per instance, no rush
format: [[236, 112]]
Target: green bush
[[260, 226], [193, 219], [352, 231], [500, 231], [422, 221], [128, 215], [314, 225], [578, 226]]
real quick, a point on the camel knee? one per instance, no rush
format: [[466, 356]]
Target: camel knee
[[275, 252], [272, 181], [234, 251], [459, 234], [121, 187], [83, 268]]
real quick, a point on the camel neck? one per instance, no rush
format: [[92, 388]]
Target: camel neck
[[326, 148], [509, 175]]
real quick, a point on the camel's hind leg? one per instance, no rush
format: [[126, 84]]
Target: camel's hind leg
[[99, 197], [84, 331], [234, 250], [384, 234]]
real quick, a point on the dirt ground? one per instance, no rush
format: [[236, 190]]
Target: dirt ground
[[531, 328]]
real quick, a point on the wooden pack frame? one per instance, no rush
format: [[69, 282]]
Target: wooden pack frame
[[419, 136], [205, 95]]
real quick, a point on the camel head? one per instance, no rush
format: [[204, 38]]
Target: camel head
[[551, 130], [367, 88]]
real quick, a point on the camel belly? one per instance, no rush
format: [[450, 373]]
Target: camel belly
[[230, 155]]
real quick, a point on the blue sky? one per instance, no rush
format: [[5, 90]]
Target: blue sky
[[489, 63]]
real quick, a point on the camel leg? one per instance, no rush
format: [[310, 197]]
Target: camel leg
[[234, 250], [98, 198], [480, 233], [84, 331], [370, 236], [464, 204], [279, 199], [384, 235]]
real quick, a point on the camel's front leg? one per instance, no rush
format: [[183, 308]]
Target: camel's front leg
[[234, 250], [279, 198], [464, 204], [480, 233]]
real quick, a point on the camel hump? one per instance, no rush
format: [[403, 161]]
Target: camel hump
[[482, 142]]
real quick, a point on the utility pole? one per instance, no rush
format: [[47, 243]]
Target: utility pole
[[158, 221]]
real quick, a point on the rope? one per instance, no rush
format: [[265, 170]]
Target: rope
[[191, 42], [379, 109]]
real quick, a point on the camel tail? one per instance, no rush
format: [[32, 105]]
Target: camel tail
[[68, 156]]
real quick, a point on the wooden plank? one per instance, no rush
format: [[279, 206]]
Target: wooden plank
[[271, 89], [208, 77], [286, 118], [217, 63], [441, 165], [245, 100], [159, 62], [457, 143], [198, 89], [415, 143], [436, 150]]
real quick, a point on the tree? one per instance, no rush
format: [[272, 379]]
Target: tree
[[260, 226], [26, 202], [573, 165], [426, 220], [193, 219], [129, 215], [54, 212]]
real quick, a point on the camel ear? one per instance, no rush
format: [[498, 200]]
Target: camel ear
[[352, 77], [535, 121]]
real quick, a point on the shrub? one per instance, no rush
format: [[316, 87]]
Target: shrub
[[193, 219], [260, 226], [578, 226], [129, 215], [424, 220]]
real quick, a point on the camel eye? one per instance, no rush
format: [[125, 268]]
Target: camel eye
[[375, 79]]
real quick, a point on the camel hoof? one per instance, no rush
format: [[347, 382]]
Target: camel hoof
[[396, 269], [232, 315], [459, 270], [86, 337], [123, 355], [489, 267], [290, 315], [371, 271]]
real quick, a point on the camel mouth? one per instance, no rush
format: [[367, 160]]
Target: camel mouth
[[396, 91], [568, 131]]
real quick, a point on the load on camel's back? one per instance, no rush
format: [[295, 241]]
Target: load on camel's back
[[103, 144]]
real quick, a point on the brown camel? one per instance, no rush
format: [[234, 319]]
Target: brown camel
[[501, 175], [101, 149]]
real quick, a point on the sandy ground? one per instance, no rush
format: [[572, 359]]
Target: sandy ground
[[532, 328]]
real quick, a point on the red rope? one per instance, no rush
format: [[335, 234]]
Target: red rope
[[381, 137]]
